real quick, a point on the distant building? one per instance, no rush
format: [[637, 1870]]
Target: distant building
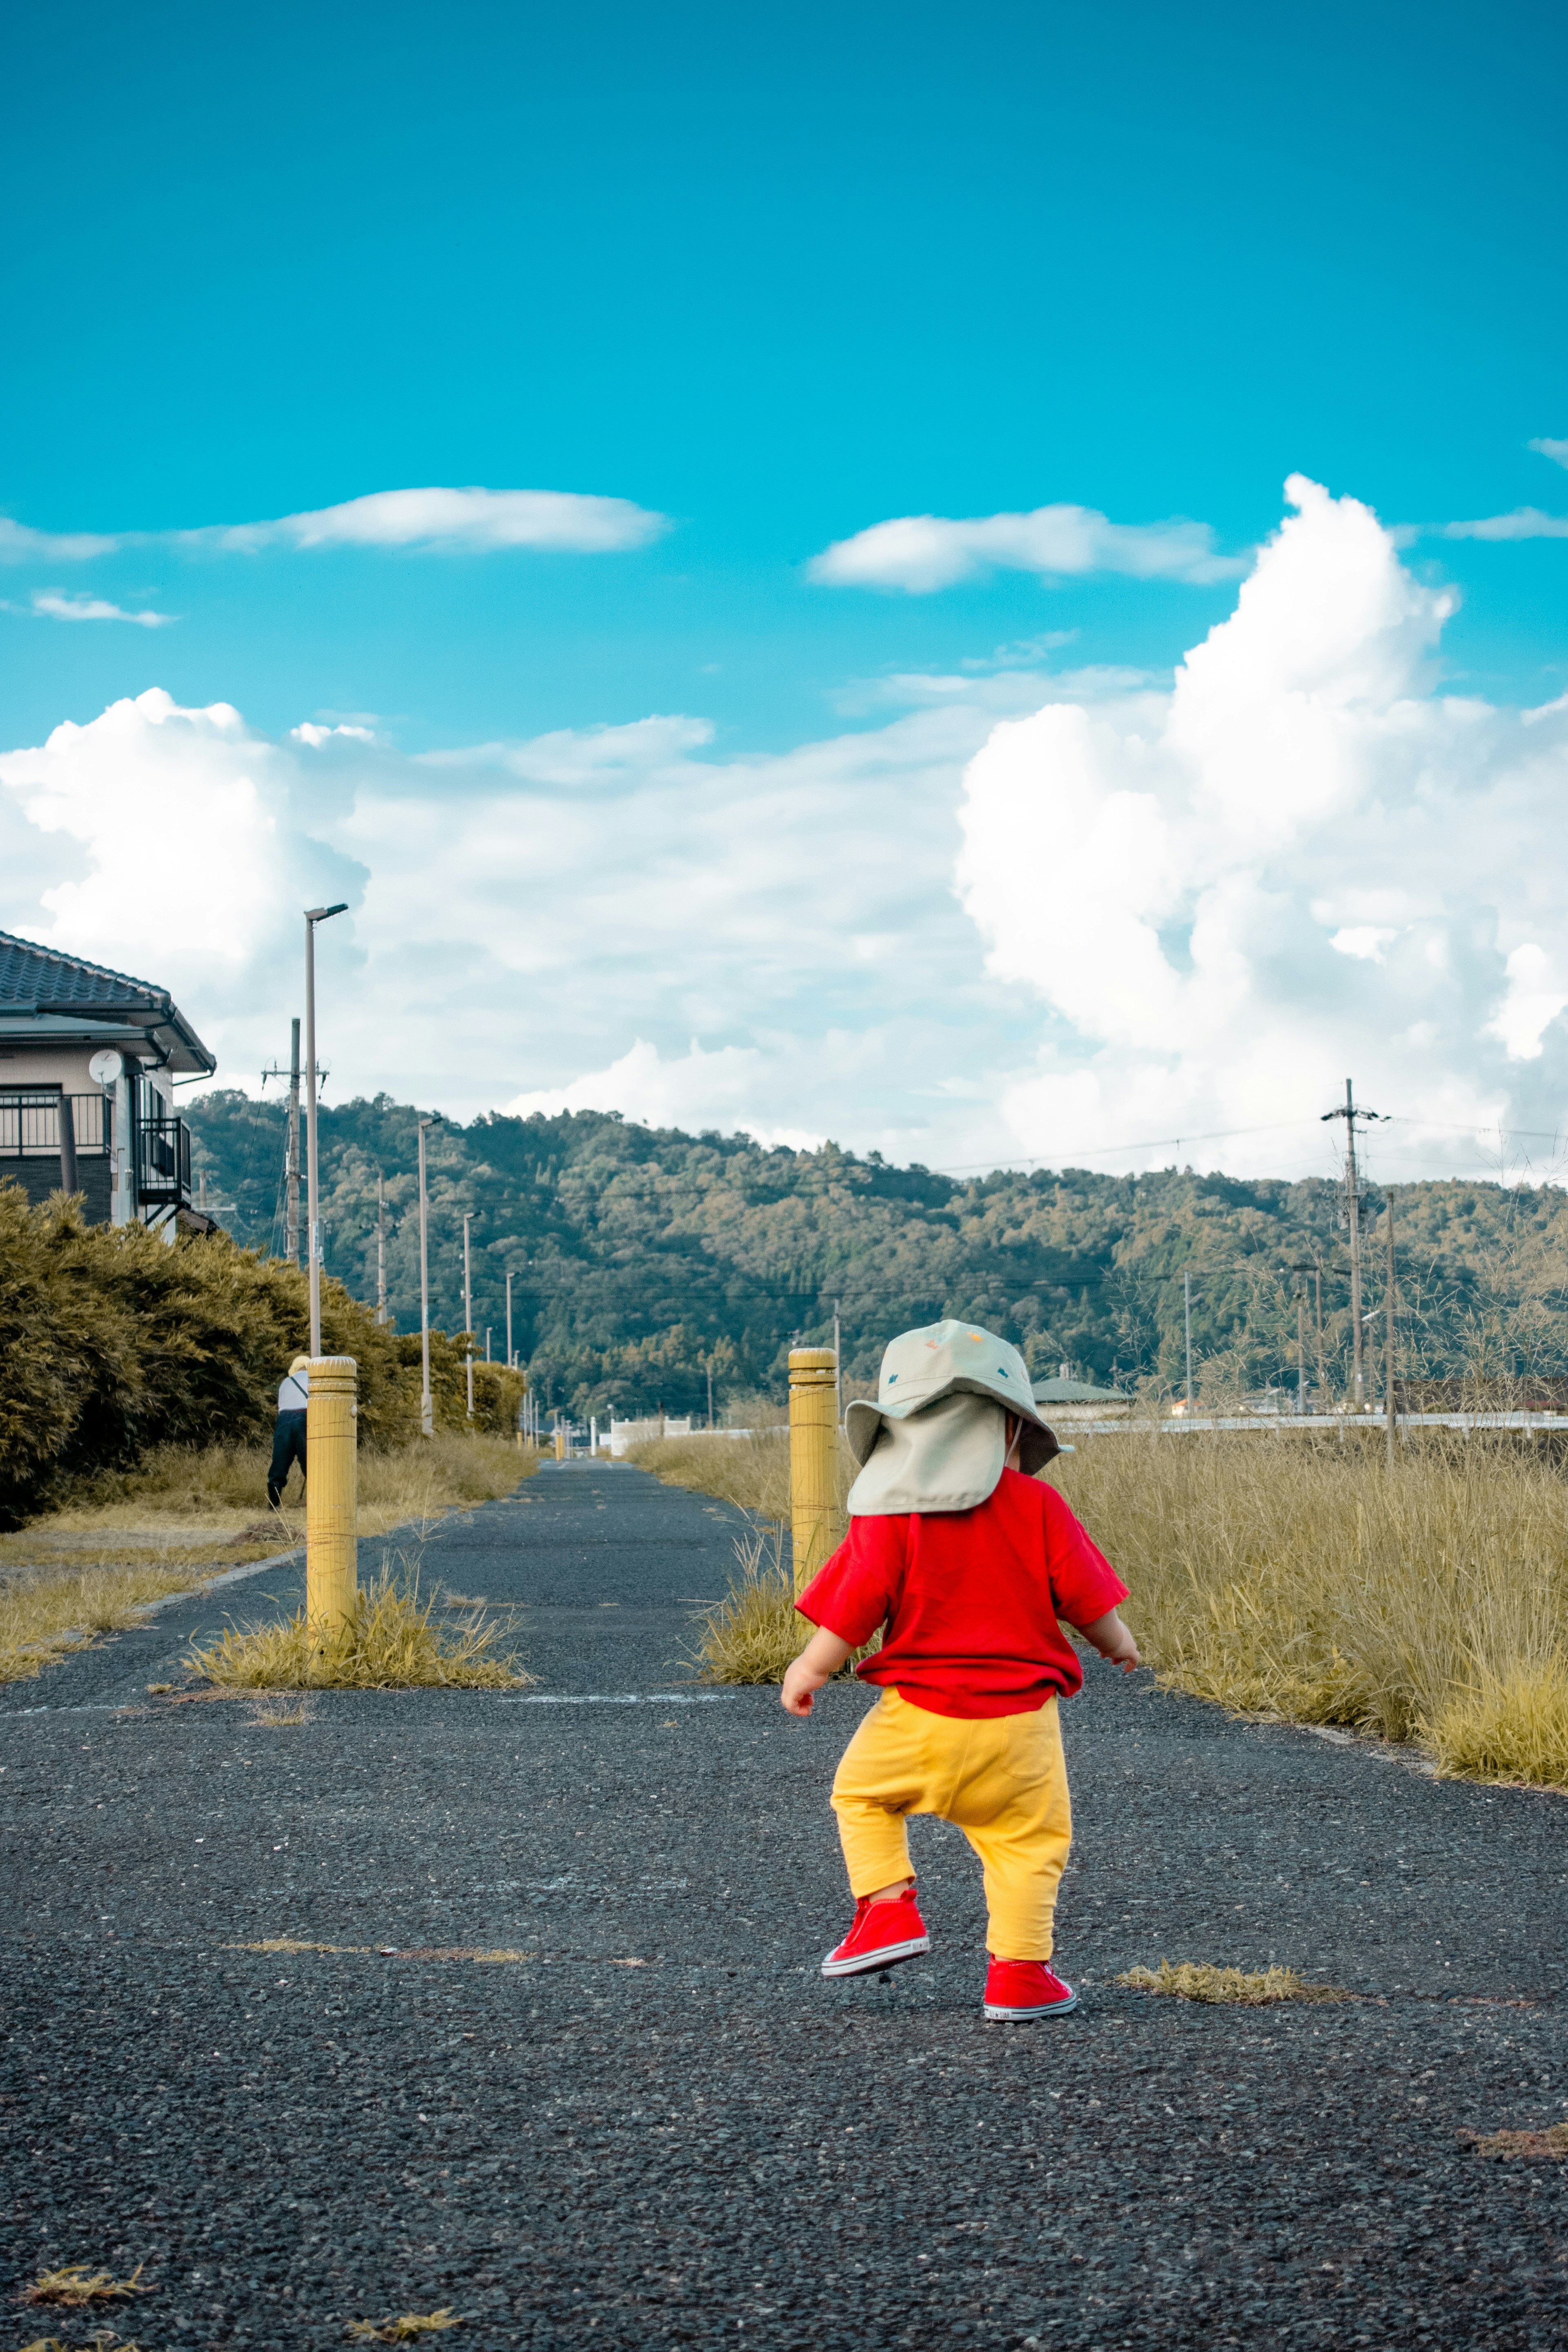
[[1065, 1400], [87, 1060]]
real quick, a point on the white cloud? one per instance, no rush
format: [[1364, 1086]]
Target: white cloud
[[1174, 887], [20, 545], [922, 553], [1181, 907], [59, 605], [1557, 450], [695, 1090], [463, 522], [1525, 522], [441, 522]]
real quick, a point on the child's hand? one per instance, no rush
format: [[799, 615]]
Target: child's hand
[[821, 1658], [801, 1685], [1113, 1640]]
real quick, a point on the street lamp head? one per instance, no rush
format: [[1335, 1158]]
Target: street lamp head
[[324, 913], [434, 1119]]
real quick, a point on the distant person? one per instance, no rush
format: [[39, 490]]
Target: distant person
[[289, 1437], [965, 1561]]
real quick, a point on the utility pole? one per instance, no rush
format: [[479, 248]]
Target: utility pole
[[313, 914], [1350, 1113], [1318, 1271], [380, 1248], [838, 1376], [291, 1153], [291, 1147], [510, 1365], [427, 1411], [1300, 1346], [468, 1311], [1187, 1309], [1388, 1338], [486, 1343], [709, 1391]]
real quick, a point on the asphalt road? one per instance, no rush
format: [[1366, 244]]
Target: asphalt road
[[659, 2125]]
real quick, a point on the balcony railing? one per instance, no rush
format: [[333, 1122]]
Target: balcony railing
[[163, 1161], [30, 1125]]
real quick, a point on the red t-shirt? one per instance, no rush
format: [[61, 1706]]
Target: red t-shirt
[[970, 1599]]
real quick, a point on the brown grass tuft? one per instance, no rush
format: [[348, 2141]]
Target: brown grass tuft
[[1551, 2144], [412, 2323], [76, 2284], [755, 1634], [1196, 1980], [392, 1643]]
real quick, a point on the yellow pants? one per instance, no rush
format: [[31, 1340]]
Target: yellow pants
[[1000, 1779]]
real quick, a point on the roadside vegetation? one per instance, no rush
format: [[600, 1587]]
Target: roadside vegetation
[[187, 1513], [1285, 1577], [398, 1639]]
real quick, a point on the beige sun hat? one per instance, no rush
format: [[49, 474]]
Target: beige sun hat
[[933, 1440]]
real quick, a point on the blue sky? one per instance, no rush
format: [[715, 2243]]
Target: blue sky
[[774, 278]]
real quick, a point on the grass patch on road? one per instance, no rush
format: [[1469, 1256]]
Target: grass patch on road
[[755, 1634], [401, 2330], [1551, 2144], [394, 1641], [1196, 1980], [75, 2284]]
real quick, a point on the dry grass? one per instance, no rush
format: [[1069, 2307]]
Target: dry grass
[[394, 1641], [53, 1610], [218, 1493], [1551, 2144], [273, 1714], [755, 1634], [1195, 1981], [1307, 1582], [1295, 1578], [44, 1617], [411, 2324], [76, 2283]]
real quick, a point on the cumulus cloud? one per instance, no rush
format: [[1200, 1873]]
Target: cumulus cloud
[[920, 554], [1557, 450], [60, 605], [556, 919], [439, 522], [1301, 860], [1118, 909]]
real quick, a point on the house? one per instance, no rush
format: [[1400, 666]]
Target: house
[[89, 1059], [1064, 1400]]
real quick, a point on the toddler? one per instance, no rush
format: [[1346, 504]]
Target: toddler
[[966, 1561]]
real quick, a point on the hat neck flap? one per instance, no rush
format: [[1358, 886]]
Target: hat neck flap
[[947, 1457]]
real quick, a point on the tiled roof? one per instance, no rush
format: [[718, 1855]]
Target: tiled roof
[[30, 974]]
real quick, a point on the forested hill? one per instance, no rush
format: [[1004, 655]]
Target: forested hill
[[639, 1256]]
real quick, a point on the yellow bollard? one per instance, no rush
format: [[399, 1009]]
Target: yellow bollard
[[560, 1443], [331, 1487], [813, 1448]]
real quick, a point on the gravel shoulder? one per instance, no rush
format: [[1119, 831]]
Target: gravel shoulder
[[569, 2067]]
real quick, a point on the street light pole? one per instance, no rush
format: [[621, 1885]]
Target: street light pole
[[468, 1311], [313, 914], [509, 1363], [1187, 1309], [426, 1411]]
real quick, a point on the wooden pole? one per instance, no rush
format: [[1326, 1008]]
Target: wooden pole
[[812, 1435]]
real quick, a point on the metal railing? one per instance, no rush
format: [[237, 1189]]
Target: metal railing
[[163, 1161], [30, 1125]]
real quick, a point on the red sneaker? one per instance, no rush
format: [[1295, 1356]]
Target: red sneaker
[[1020, 1990], [881, 1933]]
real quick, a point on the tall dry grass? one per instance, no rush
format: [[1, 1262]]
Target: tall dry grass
[[1300, 1579], [219, 1492], [1307, 1581], [395, 1640]]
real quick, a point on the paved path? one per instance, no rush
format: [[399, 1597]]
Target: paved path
[[661, 2125]]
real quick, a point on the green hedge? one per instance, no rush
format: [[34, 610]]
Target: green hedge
[[113, 1340]]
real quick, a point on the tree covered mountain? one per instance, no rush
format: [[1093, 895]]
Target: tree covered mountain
[[642, 1257]]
